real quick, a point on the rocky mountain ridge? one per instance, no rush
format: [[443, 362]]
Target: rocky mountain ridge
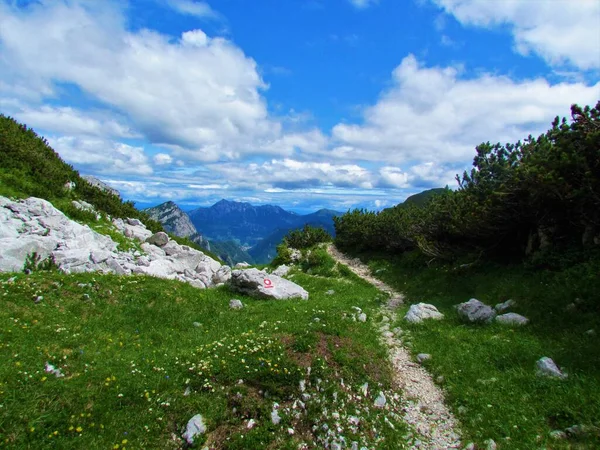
[[173, 219]]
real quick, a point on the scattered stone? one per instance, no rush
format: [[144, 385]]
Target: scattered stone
[[330, 292], [38, 299], [53, 370], [187, 392], [388, 334], [281, 271], [571, 307], [470, 446], [195, 426], [490, 444], [422, 357], [380, 401], [579, 430], [385, 319], [475, 311], [422, 311], [503, 307], [462, 410], [364, 389], [362, 317], [259, 284], [558, 435], [302, 385], [512, 319], [591, 332], [197, 324], [234, 303], [290, 431], [275, 417], [159, 239], [546, 367], [440, 379], [251, 424]]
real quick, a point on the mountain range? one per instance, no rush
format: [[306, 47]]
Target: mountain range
[[238, 231]]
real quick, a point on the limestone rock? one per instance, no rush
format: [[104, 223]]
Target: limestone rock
[[223, 275], [380, 401], [159, 239], [241, 265], [281, 271], [546, 367], [512, 319], [234, 303], [422, 357], [195, 426], [503, 307], [475, 311], [257, 283], [422, 311]]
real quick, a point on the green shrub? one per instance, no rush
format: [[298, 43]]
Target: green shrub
[[34, 263], [307, 237]]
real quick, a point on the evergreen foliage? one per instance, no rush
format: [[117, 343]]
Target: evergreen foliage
[[30, 167], [518, 200]]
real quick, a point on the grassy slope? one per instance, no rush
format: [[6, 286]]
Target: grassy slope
[[128, 348], [490, 370]]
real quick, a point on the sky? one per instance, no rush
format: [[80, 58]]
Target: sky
[[306, 104]]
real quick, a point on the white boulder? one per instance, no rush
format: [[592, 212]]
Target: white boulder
[[422, 311]]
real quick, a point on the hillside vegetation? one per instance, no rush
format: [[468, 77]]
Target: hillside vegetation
[[31, 168], [534, 197], [523, 225]]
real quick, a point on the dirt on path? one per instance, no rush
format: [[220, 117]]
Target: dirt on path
[[425, 409]]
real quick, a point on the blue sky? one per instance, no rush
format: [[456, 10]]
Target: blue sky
[[301, 103]]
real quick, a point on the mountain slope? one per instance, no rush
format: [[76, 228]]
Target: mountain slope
[[30, 167], [241, 222], [248, 224], [173, 219]]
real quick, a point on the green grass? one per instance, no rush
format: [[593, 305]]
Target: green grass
[[130, 347], [489, 371]]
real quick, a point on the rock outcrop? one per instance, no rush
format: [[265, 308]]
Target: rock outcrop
[[260, 284], [173, 219], [35, 226], [101, 185]]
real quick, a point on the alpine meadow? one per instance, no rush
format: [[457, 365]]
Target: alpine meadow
[[297, 225]]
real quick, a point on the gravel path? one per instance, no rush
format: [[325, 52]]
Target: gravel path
[[425, 409]]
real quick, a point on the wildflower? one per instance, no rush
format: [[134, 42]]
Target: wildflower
[[79, 429]]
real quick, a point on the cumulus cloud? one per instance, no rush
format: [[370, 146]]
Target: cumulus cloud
[[99, 156], [68, 120], [559, 31], [162, 159], [435, 114], [199, 93]]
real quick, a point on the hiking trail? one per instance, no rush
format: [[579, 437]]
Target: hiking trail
[[425, 409]]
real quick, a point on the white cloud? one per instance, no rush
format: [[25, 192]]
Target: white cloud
[[162, 159], [99, 156], [362, 4], [433, 114], [202, 10], [67, 120], [290, 174], [196, 93], [559, 31]]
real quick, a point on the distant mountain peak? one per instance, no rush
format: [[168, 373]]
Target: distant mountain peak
[[173, 219]]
